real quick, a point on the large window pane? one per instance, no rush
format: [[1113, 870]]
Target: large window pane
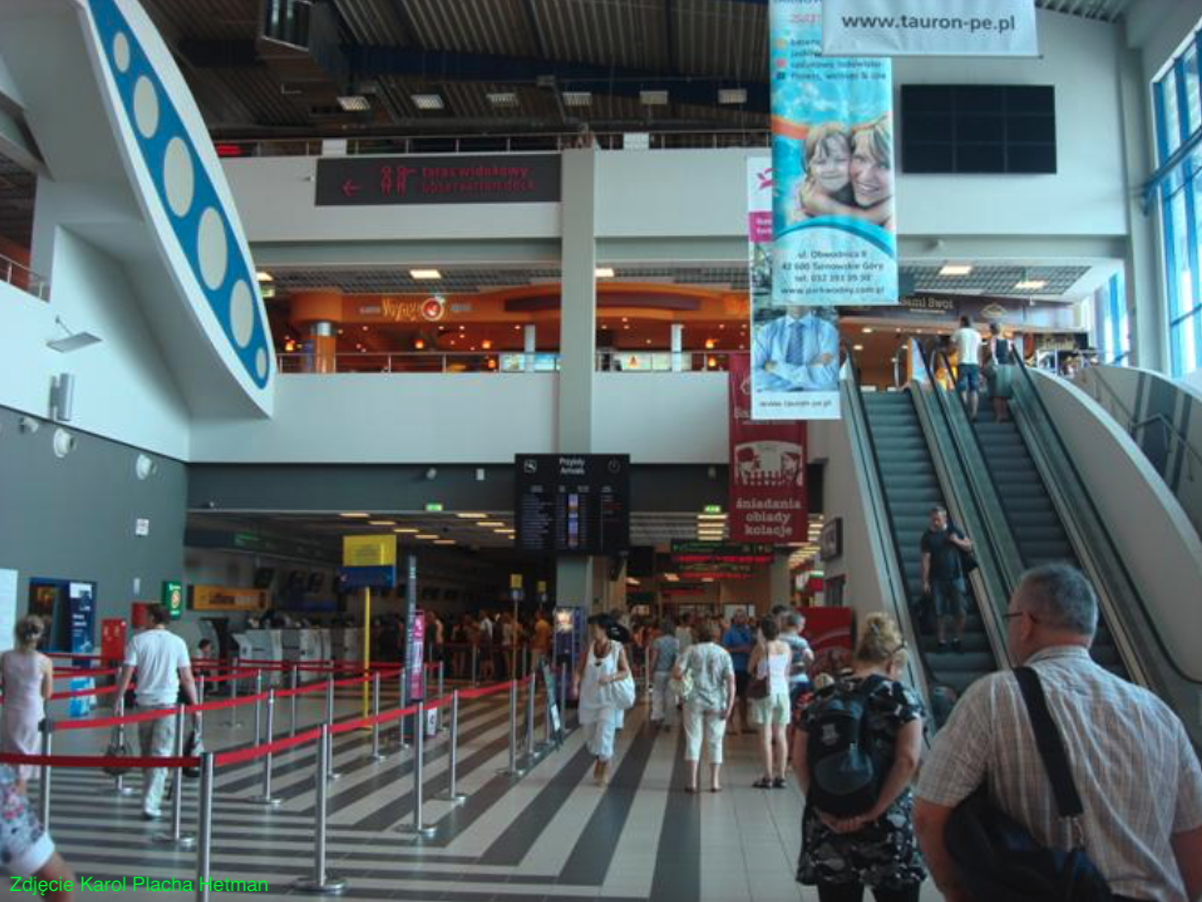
[[1172, 122]]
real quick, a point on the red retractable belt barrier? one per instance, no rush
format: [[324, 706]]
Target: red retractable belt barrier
[[98, 761], [484, 691], [222, 759]]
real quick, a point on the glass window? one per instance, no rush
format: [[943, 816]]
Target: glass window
[[1172, 122]]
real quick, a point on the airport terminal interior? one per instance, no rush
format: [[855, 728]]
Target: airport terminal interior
[[383, 345]]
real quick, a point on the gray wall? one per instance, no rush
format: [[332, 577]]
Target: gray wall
[[73, 518]]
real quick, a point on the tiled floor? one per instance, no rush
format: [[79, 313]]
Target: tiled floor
[[550, 835]]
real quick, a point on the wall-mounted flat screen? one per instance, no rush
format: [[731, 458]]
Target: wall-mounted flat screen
[[264, 577]]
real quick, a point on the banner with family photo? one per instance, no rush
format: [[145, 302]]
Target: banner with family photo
[[834, 228], [794, 350]]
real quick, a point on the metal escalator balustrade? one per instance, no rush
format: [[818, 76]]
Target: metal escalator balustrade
[[911, 488]]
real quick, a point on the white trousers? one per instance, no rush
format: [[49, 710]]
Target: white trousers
[[709, 726], [599, 737], [663, 700], [156, 738]]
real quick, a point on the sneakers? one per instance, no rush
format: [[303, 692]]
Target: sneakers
[[151, 815]]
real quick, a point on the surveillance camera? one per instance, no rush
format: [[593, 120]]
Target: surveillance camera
[[211, 504]]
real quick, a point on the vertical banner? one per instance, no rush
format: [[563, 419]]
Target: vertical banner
[[832, 160], [794, 349], [768, 492]]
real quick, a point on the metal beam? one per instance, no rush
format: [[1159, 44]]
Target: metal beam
[[670, 37], [536, 28]]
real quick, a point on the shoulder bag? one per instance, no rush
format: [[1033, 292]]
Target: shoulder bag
[[998, 859], [621, 692], [682, 688]]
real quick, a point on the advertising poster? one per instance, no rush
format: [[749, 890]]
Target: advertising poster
[[767, 470], [83, 629], [832, 161], [417, 638], [794, 349], [929, 28], [829, 632]]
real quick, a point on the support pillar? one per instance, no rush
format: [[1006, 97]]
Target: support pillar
[[678, 358]]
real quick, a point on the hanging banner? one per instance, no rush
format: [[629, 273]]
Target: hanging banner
[[929, 28], [767, 471], [832, 162]]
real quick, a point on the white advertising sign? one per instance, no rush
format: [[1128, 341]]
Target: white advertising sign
[[929, 28]]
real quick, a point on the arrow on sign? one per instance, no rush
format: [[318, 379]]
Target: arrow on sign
[[349, 188]]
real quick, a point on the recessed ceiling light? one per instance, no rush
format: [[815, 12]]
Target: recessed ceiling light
[[427, 101], [424, 275], [491, 524], [405, 531], [444, 541], [955, 269], [577, 98], [358, 514], [711, 516], [502, 99], [354, 103], [867, 330], [264, 276], [470, 516], [604, 272], [425, 535], [730, 96], [382, 522], [857, 347], [653, 98], [1031, 285]]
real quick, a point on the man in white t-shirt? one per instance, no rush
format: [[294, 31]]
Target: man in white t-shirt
[[161, 660], [967, 342]]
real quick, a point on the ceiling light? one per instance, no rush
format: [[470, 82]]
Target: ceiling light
[[491, 524], [444, 541], [711, 516], [577, 98], [502, 98], [406, 531], [604, 272], [354, 103], [73, 340], [653, 98], [424, 275], [425, 535], [471, 516], [867, 330], [857, 347], [955, 269], [631, 581], [264, 276], [1031, 285], [729, 96], [427, 101], [382, 522], [672, 577], [358, 514]]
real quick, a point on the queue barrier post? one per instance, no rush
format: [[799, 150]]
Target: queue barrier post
[[47, 728], [177, 837], [321, 882], [204, 849], [233, 721], [512, 769], [441, 692], [475, 664], [293, 683], [331, 774], [563, 696], [452, 793], [266, 798], [530, 717], [258, 705], [417, 830], [121, 789], [376, 754]]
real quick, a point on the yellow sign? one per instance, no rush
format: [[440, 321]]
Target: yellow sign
[[542, 587], [369, 551], [515, 580], [227, 598]]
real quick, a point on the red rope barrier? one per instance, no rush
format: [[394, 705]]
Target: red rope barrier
[[226, 758], [484, 691], [353, 681], [98, 761], [80, 693], [226, 703], [371, 720], [84, 672], [154, 714]]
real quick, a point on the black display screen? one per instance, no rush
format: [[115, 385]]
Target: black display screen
[[572, 503]]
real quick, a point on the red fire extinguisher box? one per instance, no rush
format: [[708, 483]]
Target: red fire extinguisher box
[[113, 631]]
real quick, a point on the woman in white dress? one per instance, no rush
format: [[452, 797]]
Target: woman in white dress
[[28, 681], [599, 717]]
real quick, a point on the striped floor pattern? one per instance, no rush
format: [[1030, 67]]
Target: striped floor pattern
[[549, 836]]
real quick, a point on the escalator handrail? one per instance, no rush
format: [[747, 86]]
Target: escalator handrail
[[1086, 498], [927, 673]]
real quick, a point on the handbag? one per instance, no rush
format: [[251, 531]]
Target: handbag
[[116, 749], [998, 859], [621, 692], [757, 688], [682, 688]]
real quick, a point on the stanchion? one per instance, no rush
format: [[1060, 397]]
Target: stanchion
[[441, 692], [258, 706], [47, 727], [417, 830], [321, 882], [204, 851], [376, 754], [401, 745], [293, 683], [121, 789], [563, 696], [177, 837], [200, 689], [266, 798], [512, 770], [233, 722], [420, 718], [530, 717], [475, 664], [452, 793], [331, 774]]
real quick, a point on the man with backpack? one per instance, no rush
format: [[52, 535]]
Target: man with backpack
[[1120, 755], [943, 547]]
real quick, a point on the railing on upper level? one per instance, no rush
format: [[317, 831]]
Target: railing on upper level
[[520, 143], [20, 276], [649, 361]]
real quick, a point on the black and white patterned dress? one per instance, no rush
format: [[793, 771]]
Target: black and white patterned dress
[[884, 854]]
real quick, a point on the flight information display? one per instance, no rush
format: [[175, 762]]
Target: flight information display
[[572, 503]]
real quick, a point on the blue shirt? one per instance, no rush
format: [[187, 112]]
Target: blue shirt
[[816, 337], [732, 639]]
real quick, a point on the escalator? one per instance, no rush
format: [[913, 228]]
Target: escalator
[[911, 486]]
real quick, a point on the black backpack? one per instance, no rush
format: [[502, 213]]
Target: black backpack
[[846, 773]]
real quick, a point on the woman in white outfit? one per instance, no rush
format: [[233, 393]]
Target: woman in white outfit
[[708, 705], [605, 663], [28, 681], [771, 660]]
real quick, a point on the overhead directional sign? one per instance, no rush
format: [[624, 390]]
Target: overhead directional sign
[[407, 181]]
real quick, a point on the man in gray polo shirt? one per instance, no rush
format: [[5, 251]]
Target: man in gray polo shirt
[[1132, 762], [161, 660]]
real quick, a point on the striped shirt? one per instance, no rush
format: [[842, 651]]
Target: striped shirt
[[1135, 770]]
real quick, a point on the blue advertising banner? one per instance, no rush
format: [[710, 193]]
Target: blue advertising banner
[[832, 158], [82, 609]]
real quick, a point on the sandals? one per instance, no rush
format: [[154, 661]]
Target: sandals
[[691, 790], [762, 783], [778, 783]]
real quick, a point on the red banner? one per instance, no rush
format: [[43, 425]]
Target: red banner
[[829, 633], [768, 501]]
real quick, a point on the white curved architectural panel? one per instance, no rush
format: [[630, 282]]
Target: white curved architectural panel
[[181, 187]]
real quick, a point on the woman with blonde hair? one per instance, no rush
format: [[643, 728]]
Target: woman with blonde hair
[[827, 189], [27, 677], [858, 750]]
